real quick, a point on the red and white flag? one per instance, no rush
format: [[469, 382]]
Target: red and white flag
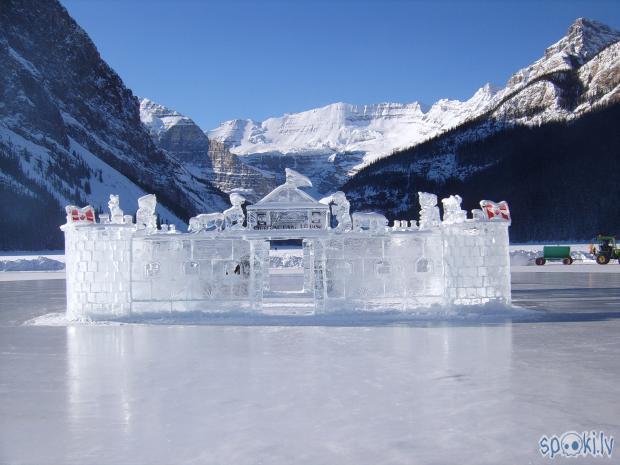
[[76, 214], [495, 211]]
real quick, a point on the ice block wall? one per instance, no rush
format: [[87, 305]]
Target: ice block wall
[[114, 270], [477, 262], [98, 265], [179, 273], [399, 271]]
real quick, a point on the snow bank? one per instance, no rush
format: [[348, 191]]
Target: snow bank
[[524, 255]]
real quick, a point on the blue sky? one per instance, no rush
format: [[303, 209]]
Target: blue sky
[[220, 60]]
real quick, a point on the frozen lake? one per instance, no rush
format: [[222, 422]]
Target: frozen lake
[[425, 390]]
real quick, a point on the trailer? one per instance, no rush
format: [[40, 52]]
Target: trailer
[[555, 253]]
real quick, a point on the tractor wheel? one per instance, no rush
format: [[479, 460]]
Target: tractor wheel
[[602, 259], [568, 261], [540, 261]]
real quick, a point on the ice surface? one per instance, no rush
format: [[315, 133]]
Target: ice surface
[[467, 390]]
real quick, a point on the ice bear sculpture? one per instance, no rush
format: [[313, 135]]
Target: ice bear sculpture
[[234, 216], [429, 213], [116, 214], [145, 216], [452, 212], [371, 221], [339, 206], [206, 222]]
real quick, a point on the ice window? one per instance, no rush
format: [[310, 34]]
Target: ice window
[[422, 266], [191, 268], [383, 268], [151, 269]]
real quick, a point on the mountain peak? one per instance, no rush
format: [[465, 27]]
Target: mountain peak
[[584, 39], [158, 118]]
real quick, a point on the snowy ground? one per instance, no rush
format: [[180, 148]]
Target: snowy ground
[[427, 391], [520, 255]]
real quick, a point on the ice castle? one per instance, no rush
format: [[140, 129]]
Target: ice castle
[[228, 262]]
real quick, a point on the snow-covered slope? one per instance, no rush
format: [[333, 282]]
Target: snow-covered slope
[[576, 74], [70, 130], [180, 137]]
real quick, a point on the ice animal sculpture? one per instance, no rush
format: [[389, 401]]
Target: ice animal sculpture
[[339, 207], [429, 213], [206, 222], [116, 214], [117, 270], [234, 216], [369, 221], [145, 216], [452, 212]]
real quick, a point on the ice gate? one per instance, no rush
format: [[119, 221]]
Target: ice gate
[[116, 268]]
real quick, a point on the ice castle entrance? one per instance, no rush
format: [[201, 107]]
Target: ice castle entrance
[[289, 283], [286, 270]]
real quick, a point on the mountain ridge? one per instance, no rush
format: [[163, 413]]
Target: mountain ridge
[[336, 141]]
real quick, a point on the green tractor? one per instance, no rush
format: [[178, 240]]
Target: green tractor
[[607, 250]]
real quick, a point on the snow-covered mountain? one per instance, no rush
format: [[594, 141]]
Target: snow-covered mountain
[[70, 131], [548, 143], [375, 130], [331, 143], [180, 137]]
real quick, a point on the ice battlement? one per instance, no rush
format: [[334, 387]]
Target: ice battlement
[[228, 262]]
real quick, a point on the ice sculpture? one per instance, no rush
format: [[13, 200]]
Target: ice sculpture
[[114, 269], [234, 216], [206, 222], [452, 212], [429, 213], [145, 216], [116, 214], [478, 215], [339, 208], [369, 221], [296, 179]]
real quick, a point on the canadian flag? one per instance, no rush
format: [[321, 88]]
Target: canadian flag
[[76, 214], [496, 211]]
